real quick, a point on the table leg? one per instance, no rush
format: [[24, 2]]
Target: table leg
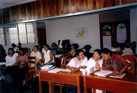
[[50, 87]]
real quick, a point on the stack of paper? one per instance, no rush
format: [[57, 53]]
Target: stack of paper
[[46, 67], [103, 73], [55, 70], [2, 63], [66, 70]]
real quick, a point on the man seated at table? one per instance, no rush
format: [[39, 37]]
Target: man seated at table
[[77, 62]]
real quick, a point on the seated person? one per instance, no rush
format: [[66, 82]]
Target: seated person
[[54, 48], [14, 47], [71, 53], [77, 62], [113, 63], [95, 63], [63, 50], [127, 50], [115, 48], [19, 46], [10, 62], [22, 61], [47, 55], [36, 53], [2, 54]]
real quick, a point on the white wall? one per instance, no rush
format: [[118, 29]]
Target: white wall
[[29, 45], [133, 25], [64, 28]]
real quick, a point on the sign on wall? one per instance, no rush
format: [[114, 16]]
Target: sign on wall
[[81, 33], [121, 35]]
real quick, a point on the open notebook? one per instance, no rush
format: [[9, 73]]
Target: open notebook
[[103, 73]]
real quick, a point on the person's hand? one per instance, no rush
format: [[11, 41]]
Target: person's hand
[[73, 69], [116, 72]]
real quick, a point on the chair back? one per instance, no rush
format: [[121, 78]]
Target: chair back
[[33, 60], [131, 59], [64, 62]]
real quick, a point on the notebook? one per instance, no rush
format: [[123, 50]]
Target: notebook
[[103, 73], [46, 67], [56, 70], [117, 76]]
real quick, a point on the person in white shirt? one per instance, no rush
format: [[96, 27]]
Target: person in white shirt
[[48, 55], [95, 63], [36, 53], [77, 62], [11, 57], [10, 63], [127, 50]]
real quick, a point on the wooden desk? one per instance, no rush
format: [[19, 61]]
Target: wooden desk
[[127, 84], [64, 78]]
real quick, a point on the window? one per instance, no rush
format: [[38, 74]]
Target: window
[[2, 38], [30, 34], [13, 34], [23, 33]]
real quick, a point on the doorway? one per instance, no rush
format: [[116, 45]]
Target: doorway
[[41, 32]]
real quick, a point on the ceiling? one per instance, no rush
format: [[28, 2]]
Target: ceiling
[[9, 3]]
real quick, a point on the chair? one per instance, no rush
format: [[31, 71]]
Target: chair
[[32, 60], [64, 62], [133, 60]]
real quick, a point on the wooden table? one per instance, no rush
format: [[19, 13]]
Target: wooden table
[[127, 84], [72, 78]]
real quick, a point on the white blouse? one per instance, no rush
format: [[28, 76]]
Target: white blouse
[[11, 60]]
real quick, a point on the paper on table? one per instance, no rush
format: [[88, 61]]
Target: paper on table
[[47, 67], [55, 70], [103, 73], [66, 70], [2, 63]]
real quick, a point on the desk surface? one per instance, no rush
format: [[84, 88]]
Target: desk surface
[[126, 84]]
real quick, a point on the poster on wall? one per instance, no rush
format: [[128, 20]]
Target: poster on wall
[[121, 35], [107, 42], [81, 33]]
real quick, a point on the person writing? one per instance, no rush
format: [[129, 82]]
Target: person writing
[[113, 63]]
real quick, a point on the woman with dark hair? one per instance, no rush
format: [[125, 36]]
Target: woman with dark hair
[[11, 57], [77, 62], [22, 61], [113, 63], [71, 53], [95, 63], [37, 54], [47, 55], [10, 62], [2, 54]]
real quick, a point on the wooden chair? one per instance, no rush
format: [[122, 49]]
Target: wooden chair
[[32, 60], [133, 60], [64, 62]]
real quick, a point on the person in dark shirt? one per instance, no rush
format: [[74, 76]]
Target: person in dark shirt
[[2, 54]]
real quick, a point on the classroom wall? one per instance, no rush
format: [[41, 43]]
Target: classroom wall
[[64, 28], [133, 25]]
